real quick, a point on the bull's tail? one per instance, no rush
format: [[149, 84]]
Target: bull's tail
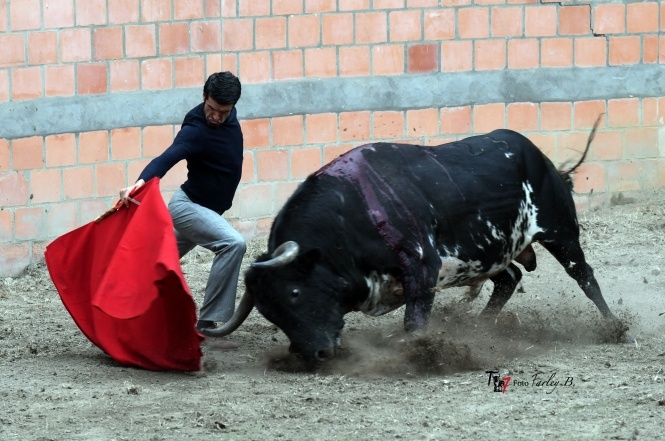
[[566, 174]]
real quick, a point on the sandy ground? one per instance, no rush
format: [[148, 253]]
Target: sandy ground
[[567, 380]]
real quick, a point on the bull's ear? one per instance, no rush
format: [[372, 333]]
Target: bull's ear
[[306, 261]]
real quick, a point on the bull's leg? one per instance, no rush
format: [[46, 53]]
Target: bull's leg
[[570, 255], [418, 308], [504, 285]]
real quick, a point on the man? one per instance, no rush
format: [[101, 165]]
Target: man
[[211, 142]]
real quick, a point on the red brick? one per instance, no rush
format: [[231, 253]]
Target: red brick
[[334, 151], [4, 155], [29, 223], [371, 27], [337, 29], [641, 143], [540, 21], [4, 89], [354, 61], [439, 24], [255, 67], [353, 5], [488, 117], [13, 189], [304, 30], [206, 36], [623, 112], [607, 146], [58, 14], [14, 259], [91, 12], [270, 33], [253, 8], [575, 20], [156, 139], [321, 128], [305, 161], [490, 54], [456, 120], [256, 133], [155, 10], [405, 26], [388, 125], [93, 147], [173, 38], [388, 59], [314, 6], [248, 162], [320, 62], [545, 143], [92, 78], [587, 112], [45, 186], [653, 112], [140, 41], [456, 56], [388, 4], [60, 80], [590, 52], [42, 47], [523, 53], [423, 58], [555, 116], [255, 201], [237, 35], [107, 43], [557, 52], [187, 9], [12, 52], [123, 11], [75, 45], [60, 150], [421, 3], [5, 221], [156, 74], [422, 122], [124, 75], [134, 169], [625, 50], [24, 15], [213, 63], [642, 17], [650, 49], [62, 220], [609, 19], [27, 153], [272, 165], [473, 22], [570, 146], [3, 16], [507, 22], [590, 177], [354, 126], [189, 72], [78, 182], [174, 178], [523, 117], [287, 130], [287, 65], [26, 83], [125, 143], [110, 178]]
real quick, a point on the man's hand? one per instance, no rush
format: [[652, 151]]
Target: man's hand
[[125, 192]]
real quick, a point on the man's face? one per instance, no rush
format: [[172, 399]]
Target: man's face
[[215, 113]]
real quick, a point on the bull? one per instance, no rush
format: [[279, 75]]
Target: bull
[[386, 225]]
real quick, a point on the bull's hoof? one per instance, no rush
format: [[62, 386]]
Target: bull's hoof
[[627, 338]]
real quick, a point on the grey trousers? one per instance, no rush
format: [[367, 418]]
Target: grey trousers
[[197, 225]]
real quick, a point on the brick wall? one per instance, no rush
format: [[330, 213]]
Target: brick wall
[[79, 53]]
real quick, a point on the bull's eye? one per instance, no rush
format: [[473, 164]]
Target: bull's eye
[[295, 293]]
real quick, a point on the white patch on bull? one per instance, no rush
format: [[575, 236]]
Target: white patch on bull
[[509, 154], [457, 272], [572, 265], [385, 294]]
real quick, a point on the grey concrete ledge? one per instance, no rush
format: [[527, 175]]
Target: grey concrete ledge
[[47, 116]]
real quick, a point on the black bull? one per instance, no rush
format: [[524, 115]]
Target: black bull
[[386, 224]]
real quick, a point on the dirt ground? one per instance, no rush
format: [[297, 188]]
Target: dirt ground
[[568, 381]]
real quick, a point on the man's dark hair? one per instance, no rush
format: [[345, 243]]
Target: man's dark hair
[[223, 87]]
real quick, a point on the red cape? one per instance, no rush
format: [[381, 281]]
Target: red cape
[[120, 279]]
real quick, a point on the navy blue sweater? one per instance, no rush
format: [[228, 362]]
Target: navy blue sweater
[[214, 159]]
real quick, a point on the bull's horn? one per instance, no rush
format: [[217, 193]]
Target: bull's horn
[[244, 308], [284, 254]]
